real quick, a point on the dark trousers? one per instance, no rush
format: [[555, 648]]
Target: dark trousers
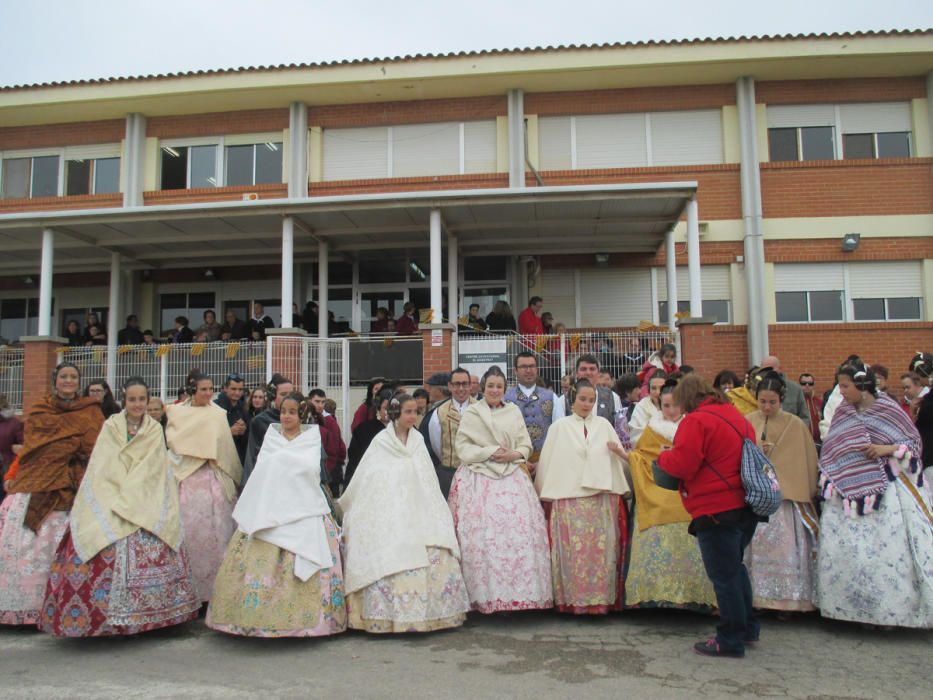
[[445, 478], [722, 547]]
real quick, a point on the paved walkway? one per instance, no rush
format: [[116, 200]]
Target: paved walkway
[[646, 654]]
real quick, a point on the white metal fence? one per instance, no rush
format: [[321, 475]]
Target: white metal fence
[[165, 367], [11, 376], [618, 352]]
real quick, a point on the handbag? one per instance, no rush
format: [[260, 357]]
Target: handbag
[[762, 490]]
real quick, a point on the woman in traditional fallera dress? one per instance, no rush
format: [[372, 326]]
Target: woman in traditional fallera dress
[[497, 515], [581, 475], [121, 567], [60, 431], [875, 562], [665, 568], [282, 574], [208, 469], [781, 556], [402, 559]]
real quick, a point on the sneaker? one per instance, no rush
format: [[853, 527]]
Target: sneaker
[[711, 648]]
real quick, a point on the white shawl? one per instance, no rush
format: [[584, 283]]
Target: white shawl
[[574, 466], [282, 502], [644, 411], [482, 431], [393, 511]]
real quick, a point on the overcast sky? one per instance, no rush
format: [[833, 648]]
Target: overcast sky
[[49, 40]]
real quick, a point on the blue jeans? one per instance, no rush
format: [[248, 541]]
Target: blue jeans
[[722, 547]]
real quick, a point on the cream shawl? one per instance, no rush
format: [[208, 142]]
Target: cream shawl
[[393, 511], [644, 411], [574, 465], [483, 431], [793, 454], [199, 434], [128, 485], [283, 504]]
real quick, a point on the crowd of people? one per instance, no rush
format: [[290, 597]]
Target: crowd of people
[[470, 494]]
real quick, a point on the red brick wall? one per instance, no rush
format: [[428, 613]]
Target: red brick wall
[[217, 123], [68, 134], [786, 92], [846, 188], [435, 359], [215, 194], [82, 201], [642, 99], [410, 184], [408, 112], [830, 250], [39, 359]]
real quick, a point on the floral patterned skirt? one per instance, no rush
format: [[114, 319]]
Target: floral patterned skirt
[[25, 559], [135, 585], [256, 593], [878, 568], [503, 541], [666, 570], [781, 562], [417, 600], [588, 541], [207, 521]]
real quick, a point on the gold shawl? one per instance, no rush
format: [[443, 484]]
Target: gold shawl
[[793, 454], [199, 434], [574, 466], [483, 431], [58, 439], [743, 399], [128, 485], [654, 505]]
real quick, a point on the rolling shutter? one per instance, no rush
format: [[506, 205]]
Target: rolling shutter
[[873, 280], [557, 290], [686, 138], [877, 117], [479, 147], [554, 143], [426, 149], [611, 141], [356, 154], [714, 281], [615, 297], [808, 277], [789, 116]]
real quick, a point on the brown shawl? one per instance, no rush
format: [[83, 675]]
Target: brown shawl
[[793, 454], [59, 437]]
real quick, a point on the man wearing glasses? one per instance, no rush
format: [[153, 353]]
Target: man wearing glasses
[[536, 403], [793, 395], [444, 423], [814, 404], [231, 400]]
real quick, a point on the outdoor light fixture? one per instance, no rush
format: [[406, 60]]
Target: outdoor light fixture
[[602, 259], [209, 273], [171, 151], [417, 270], [850, 242]]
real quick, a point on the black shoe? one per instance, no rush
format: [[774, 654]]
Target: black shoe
[[711, 648]]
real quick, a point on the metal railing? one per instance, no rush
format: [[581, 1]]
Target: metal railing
[[165, 367], [618, 352], [11, 376]]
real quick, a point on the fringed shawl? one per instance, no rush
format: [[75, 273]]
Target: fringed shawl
[[483, 431], [859, 479], [58, 439], [793, 454], [128, 485], [199, 434]]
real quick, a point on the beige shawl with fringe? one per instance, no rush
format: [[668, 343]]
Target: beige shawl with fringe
[[199, 434], [128, 485], [483, 431]]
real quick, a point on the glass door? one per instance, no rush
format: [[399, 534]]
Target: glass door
[[390, 301]]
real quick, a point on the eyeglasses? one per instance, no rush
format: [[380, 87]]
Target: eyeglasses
[[526, 367], [807, 383], [460, 384]]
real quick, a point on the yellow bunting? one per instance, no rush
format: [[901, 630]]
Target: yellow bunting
[[62, 350], [232, 350], [123, 349], [575, 342], [163, 350], [98, 354], [388, 342], [197, 349], [426, 315], [256, 361], [682, 314], [540, 342]]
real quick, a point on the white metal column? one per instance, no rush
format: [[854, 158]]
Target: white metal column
[[516, 120], [45, 282], [288, 270], [437, 305], [134, 160], [297, 150], [671, 262], [322, 290], [453, 288], [693, 258], [114, 320]]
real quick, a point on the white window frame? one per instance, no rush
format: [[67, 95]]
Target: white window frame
[[845, 310], [216, 141], [251, 141], [64, 154]]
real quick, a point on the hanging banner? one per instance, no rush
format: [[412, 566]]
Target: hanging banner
[[479, 354]]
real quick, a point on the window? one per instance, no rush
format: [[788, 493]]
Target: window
[[804, 307], [191, 305], [484, 267], [804, 143], [19, 317], [92, 176], [188, 167], [893, 309], [715, 283], [254, 164], [30, 177], [887, 145], [712, 308]]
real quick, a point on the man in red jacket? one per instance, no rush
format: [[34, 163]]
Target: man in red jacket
[[529, 320], [331, 440], [707, 459]]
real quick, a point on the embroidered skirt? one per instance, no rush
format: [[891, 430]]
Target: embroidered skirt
[[25, 559], [588, 539], [256, 593], [207, 522], [135, 585], [666, 570], [781, 560], [503, 541], [418, 600]]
